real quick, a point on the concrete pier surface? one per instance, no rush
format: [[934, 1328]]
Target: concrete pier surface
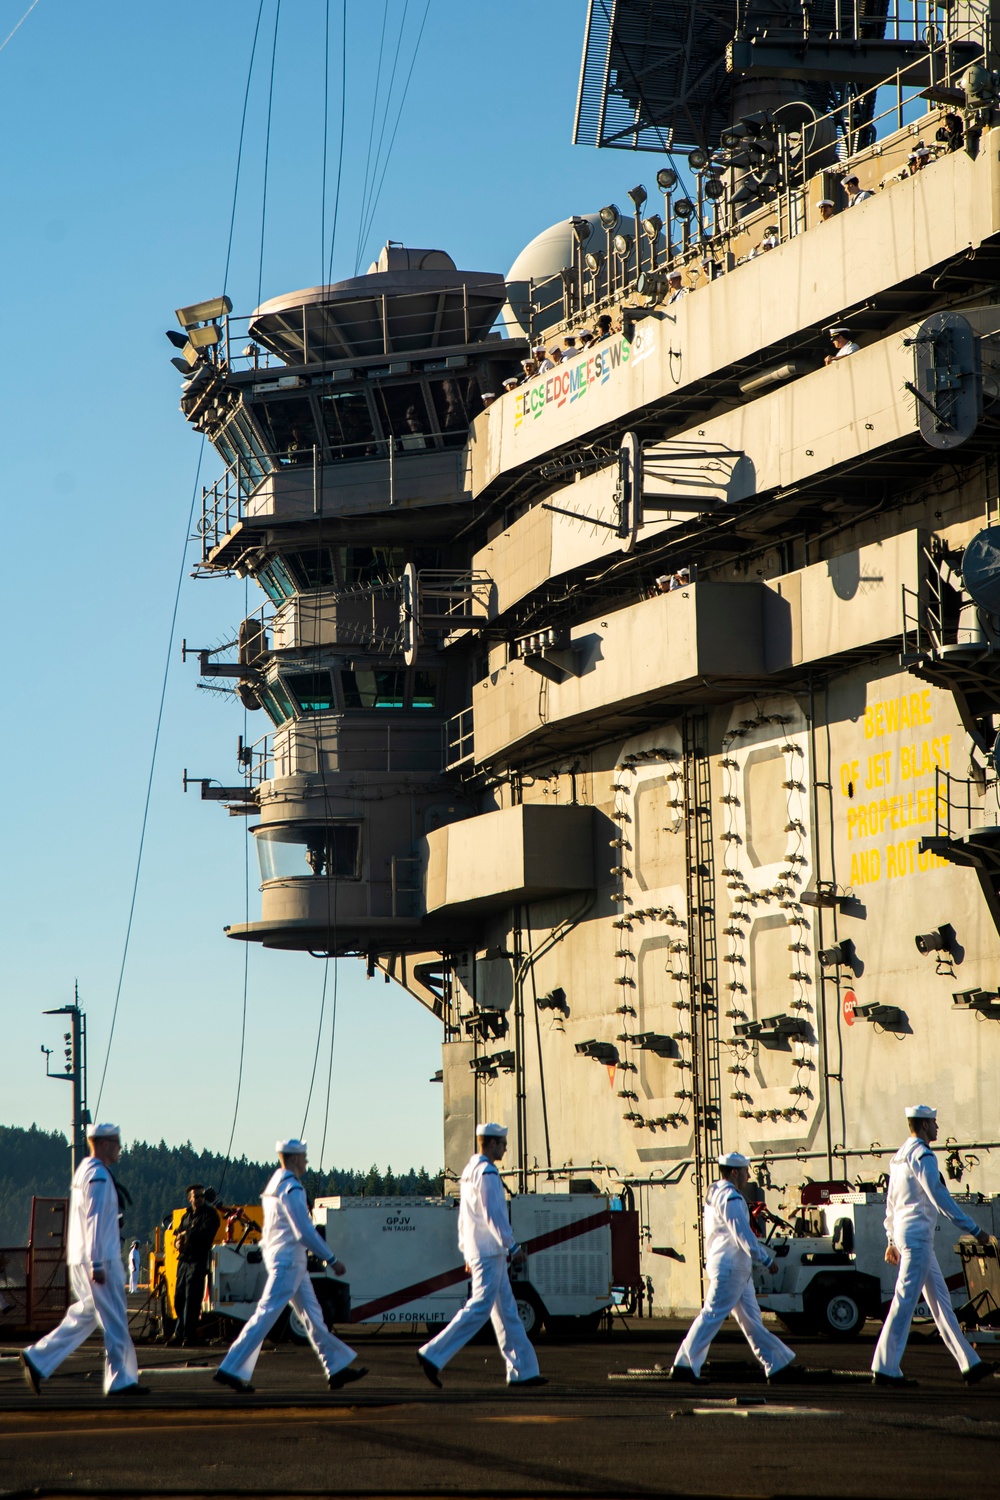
[[595, 1430]]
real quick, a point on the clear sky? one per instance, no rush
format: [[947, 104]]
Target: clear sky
[[121, 127]]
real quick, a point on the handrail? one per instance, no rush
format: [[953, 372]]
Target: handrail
[[959, 799], [844, 136]]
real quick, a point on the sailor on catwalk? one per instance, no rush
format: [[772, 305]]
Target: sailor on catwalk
[[287, 1239], [915, 1197], [731, 1250], [486, 1243], [96, 1275]]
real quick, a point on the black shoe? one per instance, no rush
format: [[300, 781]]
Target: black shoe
[[896, 1382], [222, 1377], [521, 1385], [347, 1377], [982, 1370], [685, 1375], [787, 1375], [129, 1390], [32, 1377], [431, 1371]]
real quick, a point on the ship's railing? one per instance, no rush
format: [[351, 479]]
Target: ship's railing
[[297, 748], [961, 803], [710, 235], [223, 503], [355, 320], [938, 613], [460, 739]]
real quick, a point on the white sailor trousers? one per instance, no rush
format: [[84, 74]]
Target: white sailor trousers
[[919, 1272], [492, 1298], [287, 1282], [94, 1307], [730, 1290]]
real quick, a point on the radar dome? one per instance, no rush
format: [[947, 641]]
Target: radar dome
[[548, 253]]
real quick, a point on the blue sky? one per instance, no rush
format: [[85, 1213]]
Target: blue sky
[[121, 127]]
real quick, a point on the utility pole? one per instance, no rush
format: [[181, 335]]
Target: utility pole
[[74, 1072]]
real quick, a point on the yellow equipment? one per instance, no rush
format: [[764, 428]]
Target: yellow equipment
[[238, 1224]]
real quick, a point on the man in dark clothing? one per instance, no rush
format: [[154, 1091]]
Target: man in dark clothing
[[193, 1238]]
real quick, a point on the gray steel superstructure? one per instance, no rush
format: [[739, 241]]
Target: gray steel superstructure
[[639, 720]]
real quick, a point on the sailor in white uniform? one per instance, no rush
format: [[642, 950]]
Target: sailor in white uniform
[[133, 1266], [731, 1251], [288, 1238], [486, 1242], [915, 1197], [96, 1276]]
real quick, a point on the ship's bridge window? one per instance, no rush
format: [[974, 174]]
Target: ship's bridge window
[[373, 688], [425, 688], [312, 569], [276, 702], [241, 443], [304, 851], [347, 421], [276, 581], [313, 691], [403, 414], [293, 429], [360, 566], [456, 402]]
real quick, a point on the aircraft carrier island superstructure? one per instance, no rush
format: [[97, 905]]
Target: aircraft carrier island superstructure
[[638, 716]]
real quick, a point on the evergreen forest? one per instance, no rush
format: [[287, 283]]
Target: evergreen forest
[[36, 1162]]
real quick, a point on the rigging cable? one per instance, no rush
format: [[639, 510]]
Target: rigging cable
[[20, 23], [319, 1036], [170, 645], [329, 1075], [340, 155], [369, 181], [395, 128], [371, 135], [152, 768], [239, 152], [267, 150], [246, 946]]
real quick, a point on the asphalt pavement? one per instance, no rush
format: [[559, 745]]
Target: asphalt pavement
[[608, 1423]]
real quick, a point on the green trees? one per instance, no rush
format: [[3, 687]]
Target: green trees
[[37, 1162]]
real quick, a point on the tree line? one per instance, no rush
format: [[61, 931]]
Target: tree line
[[36, 1162]]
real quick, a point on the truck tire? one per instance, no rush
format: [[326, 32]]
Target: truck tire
[[296, 1329], [836, 1308], [530, 1310]]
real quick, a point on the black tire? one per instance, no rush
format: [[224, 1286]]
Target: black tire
[[836, 1310], [530, 1310], [328, 1301]]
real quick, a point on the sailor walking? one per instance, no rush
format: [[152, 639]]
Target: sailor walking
[[96, 1275], [915, 1197], [486, 1243], [288, 1238], [731, 1251], [133, 1266]]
